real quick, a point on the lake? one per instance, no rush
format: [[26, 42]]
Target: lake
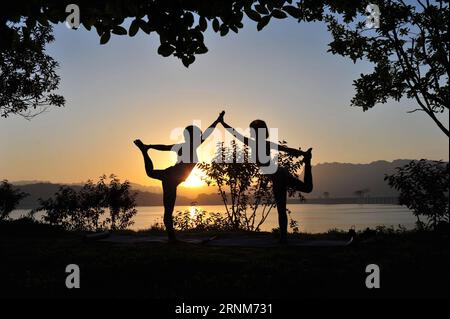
[[312, 218]]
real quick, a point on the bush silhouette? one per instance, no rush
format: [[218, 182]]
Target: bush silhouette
[[246, 193], [107, 204], [424, 189], [9, 199], [196, 219]]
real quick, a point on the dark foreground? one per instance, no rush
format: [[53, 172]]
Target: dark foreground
[[34, 258]]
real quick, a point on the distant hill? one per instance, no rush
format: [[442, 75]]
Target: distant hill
[[343, 179], [340, 180], [142, 188], [38, 190], [46, 190]]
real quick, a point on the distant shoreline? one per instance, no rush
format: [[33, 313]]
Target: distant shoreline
[[291, 201]]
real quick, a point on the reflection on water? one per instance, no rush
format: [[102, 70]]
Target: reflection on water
[[312, 218], [192, 210]]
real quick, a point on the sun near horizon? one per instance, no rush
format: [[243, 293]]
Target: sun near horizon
[[195, 179]]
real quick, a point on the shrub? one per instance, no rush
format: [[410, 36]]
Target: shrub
[[85, 210], [246, 193], [9, 199], [424, 189], [119, 201], [195, 219]]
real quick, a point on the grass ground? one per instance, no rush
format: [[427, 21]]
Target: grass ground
[[33, 258]]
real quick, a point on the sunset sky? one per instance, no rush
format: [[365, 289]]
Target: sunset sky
[[124, 90]]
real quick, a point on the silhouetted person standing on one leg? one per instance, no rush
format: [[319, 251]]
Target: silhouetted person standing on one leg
[[281, 178], [172, 176], [281, 181]]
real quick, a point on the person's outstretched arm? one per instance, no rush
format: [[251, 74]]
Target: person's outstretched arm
[[284, 148], [235, 133], [289, 150], [211, 128]]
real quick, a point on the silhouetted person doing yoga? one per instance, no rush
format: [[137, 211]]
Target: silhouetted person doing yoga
[[172, 176], [281, 178]]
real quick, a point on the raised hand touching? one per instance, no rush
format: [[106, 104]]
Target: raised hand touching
[[220, 118]]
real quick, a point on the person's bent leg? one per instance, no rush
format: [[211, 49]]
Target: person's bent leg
[[169, 198], [149, 169], [307, 185]]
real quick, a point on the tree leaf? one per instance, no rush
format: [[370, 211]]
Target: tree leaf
[[188, 18], [293, 11], [262, 23], [99, 29], [188, 60], [202, 49], [224, 30], [134, 28], [145, 26], [203, 24], [119, 30], [105, 37], [86, 25], [261, 9], [252, 14], [165, 49], [276, 13], [216, 25]]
